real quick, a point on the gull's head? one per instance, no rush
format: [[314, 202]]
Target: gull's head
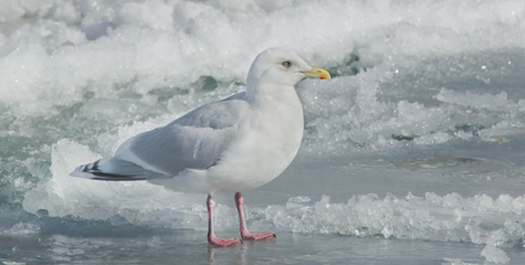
[[278, 66]]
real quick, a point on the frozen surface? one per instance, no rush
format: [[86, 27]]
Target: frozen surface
[[412, 153]]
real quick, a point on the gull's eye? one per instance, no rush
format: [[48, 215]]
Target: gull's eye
[[287, 64]]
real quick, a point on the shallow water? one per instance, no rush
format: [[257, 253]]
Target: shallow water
[[412, 153]]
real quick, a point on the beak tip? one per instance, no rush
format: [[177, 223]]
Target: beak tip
[[317, 72]]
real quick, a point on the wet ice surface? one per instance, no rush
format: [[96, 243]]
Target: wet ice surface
[[412, 153], [186, 248]]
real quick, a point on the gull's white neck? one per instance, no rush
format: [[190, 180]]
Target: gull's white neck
[[260, 94], [278, 111]]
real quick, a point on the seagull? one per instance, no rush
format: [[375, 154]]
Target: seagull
[[233, 145]]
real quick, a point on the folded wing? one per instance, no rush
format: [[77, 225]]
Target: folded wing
[[194, 141]]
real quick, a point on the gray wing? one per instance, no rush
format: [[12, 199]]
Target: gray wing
[[194, 141]]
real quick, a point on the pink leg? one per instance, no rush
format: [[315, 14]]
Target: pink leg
[[245, 234], [212, 239]]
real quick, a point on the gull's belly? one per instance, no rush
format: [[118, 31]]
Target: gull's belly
[[262, 155]]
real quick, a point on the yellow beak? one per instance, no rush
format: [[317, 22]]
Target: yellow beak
[[317, 72]]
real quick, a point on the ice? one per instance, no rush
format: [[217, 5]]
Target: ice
[[495, 255], [153, 14], [65, 11], [486, 101], [479, 219], [155, 39], [419, 135], [11, 10], [436, 218], [22, 229], [63, 195]]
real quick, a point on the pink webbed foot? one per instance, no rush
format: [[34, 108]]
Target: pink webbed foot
[[223, 242], [249, 236], [212, 239], [245, 234]]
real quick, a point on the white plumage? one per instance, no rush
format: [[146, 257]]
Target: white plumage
[[233, 145]]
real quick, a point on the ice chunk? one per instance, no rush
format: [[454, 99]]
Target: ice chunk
[[154, 14], [121, 201], [66, 11], [22, 228], [495, 255], [479, 219], [486, 101], [12, 10]]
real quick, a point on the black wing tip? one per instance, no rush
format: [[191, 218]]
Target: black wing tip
[[115, 177], [92, 171]]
